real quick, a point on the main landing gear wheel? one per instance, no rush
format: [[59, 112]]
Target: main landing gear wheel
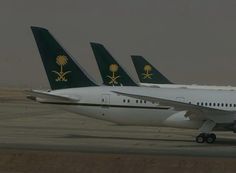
[[211, 138], [205, 137], [200, 138]]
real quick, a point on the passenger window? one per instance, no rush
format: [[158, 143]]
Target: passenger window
[[214, 104], [103, 100], [205, 104], [222, 104], [230, 105], [189, 102], [202, 103], [209, 104], [141, 101], [136, 101], [145, 101], [226, 105], [128, 100], [124, 100]]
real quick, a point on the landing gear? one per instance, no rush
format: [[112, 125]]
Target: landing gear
[[206, 137]]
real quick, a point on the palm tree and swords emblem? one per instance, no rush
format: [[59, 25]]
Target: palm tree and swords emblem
[[147, 70], [61, 61], [113, 68]]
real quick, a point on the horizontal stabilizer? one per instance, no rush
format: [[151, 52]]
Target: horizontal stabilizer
[[43, 96]]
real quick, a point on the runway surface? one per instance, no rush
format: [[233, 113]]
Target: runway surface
[[28, 125]]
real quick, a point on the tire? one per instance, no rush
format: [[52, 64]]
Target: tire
[[213, 135], [211, 138], [200, 139]]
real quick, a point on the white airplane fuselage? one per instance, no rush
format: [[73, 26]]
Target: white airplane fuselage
[[102, 103], [193, 86]]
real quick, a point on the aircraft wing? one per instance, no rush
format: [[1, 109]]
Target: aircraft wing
[[43, 96], [179, 106]]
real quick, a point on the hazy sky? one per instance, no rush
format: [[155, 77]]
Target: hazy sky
[[190, 41]]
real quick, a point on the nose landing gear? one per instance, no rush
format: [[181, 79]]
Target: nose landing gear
[[206, 137]]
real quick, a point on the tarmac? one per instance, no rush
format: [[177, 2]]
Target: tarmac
[[44, 135]]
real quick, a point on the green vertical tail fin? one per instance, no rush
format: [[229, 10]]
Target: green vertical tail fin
[[62, 71], [147, 73], [112, 73]]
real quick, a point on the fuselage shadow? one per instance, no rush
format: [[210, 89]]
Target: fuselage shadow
[[122, 138], [218, 142]]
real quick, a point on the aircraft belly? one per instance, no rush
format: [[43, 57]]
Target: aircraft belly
[[142, 117], [89, 111], [123, 116], [127, 116]]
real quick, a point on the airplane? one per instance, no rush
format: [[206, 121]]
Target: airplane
[[74, 91], [149, 76]]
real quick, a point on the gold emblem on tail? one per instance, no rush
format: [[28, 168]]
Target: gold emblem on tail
[[113, 68], [61, 60], [147, 70]]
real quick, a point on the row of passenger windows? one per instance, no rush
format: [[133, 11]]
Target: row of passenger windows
[[198, 103], [215, 104], [128, 101], [137, 101]]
